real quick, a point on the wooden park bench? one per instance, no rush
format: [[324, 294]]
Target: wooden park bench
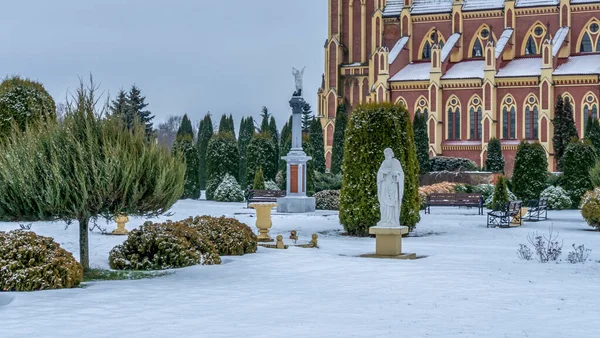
[[537, 210], [257, 196], [454, 200], [509, 214]]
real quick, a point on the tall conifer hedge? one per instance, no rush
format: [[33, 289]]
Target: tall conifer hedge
[[495, 160], [531, 171], [339, 139], [222, 157], [372, 128], [578, 160]]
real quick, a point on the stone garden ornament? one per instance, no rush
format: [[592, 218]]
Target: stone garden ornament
[[298, 80], [390, 190]]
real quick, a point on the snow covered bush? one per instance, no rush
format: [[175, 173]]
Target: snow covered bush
[[222, 157], [159, 246], [577, 161], [443, 163], [590, 208], [557, 198], [230, 236], [328, 200], [229, 190], [501, 195], [29, 262], [270, 185], [486, 190]]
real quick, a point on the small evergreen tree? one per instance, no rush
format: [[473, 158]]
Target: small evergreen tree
[[316, 140], [185, 128], [259, 180], [307, 116], [119, 105], [265, 116], [337, 154], [422, 143], [285, 144], [530, 172], [592, 133], [136, 104], [310, 166], [564, 128], [500, 197], [222, 157], [275, 138], [246, 132], [495, 160], [373, 128], [229, 190], [578, 160], [260, 153], [205, 133]]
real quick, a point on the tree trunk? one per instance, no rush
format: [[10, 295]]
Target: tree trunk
[[84, 252]]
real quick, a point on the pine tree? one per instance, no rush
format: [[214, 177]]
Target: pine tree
[[531, 171], [373, 128], [119, 105], [275, 137], [578, 160], [316, 140], [564, 128], [261, 152], [307, 116], [136, 103], [337, 154], [500, 197], [222, 157], [592, 133], [495, 160], [205, 133], [185, 128], [246, 132], [259, 180], [422, 143]]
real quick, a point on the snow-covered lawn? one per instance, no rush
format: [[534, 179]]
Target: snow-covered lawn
[[471, 284]]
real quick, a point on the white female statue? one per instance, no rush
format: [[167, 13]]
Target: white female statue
[[390, 190]]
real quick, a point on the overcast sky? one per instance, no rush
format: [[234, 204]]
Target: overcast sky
[[187, 56]]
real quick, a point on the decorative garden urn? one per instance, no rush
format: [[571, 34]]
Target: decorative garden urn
[[263, 220], [121, 220]]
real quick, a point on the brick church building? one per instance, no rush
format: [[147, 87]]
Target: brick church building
[[476, 68]]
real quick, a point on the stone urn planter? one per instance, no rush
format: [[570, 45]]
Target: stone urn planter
[[121, 220], [263, 220]]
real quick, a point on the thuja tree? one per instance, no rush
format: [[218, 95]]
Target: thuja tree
[[422, 143], [564, 128], [275, 138], [500, 197], [530, 172], [186, 147], [259, 180], [592, 133], [86, 167], [246, 132], [23, 101], [578, 160], [205, 133], [260, 154], [222, 157], [285, 143], [316, 141], [372, 128], [226, 125], [337, 153], [494, 161]]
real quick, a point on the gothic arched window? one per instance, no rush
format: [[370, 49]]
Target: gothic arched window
[[531, 118], [475, 114], [453, 118], [509, 118]]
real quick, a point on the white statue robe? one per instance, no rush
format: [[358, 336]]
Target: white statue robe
[[390, 191]]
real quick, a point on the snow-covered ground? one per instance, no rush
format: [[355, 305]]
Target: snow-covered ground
[[470, 284]]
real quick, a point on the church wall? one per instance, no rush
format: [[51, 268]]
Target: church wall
[[473, 155], [410, 97], [519, 94], [464, 97], [391, 34], [579, 20], [471, 26], [420, 29], [525, 22]]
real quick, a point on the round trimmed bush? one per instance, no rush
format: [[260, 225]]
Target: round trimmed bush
[[29, 262], [590, 208], [230, 236], [328, 200], [229, 190], [159, 246], [557, 198]]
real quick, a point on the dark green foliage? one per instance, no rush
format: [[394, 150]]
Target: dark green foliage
[[592, 133], [422, 143], [500, 198], [310, 166], [186, 148], [261, 152], [205, 133], [259, 180], [230, 236], [328, 200], [337, 153], [372, 128], [327, 181], [160, 246], [265, 116], [307, 116], [23, 101], [316, 140], [564, 129], [226, 125], [578, 160], [185, 129], [530, 172], [134, 109], [495, 160], [222, 157], [85, 167], [30, 262], [285, 144], [443, 163], [275, 138], [119, 105], [246, 132]]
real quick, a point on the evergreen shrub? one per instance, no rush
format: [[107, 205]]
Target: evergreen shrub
[[557, 198], [373, 128], [230, 236], [443, 163], [530, 172], [222, 157], [327, 181], [422, 143], [495, 160], [159, 246], [339, 139], [186, 147], [29, 262], [229, 190], [590, 208], [577, 161], [501, 196], [260, 153], [270, 185], [328, 200], [259, 180]]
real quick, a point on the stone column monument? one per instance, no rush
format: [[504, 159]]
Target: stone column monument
[[296, 200]]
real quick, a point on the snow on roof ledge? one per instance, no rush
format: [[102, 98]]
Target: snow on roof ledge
[[449, 45], [558, 40], [413, 72], [522, 67], [580, 65], [393, 8], [535, 3], [503, 41], [466, 70], [398, 47]]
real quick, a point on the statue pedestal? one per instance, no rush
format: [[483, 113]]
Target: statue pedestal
[[388, 242]]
